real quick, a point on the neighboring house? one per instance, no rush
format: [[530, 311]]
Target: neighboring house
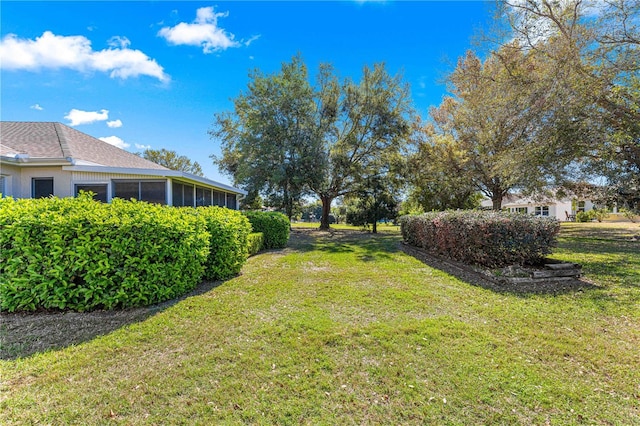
[[561, 209], [39, 159]]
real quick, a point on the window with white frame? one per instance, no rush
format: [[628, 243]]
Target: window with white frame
[[519, 210], [542, 210]]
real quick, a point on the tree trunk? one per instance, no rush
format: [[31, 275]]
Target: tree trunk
[[496, 199], [375, 215], [287, 202], [326, 209]]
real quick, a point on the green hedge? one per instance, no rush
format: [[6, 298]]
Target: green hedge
[[80, 254], [492, 239], [229, 231], [255, 242], [275, 227]]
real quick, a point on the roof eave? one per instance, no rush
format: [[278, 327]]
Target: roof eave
[[200, 179], [20, 160]]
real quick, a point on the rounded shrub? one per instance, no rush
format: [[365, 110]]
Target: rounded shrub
[[80, 254], [492, 239], [583, 217], [228, 232], [255, 242], [274, 226]]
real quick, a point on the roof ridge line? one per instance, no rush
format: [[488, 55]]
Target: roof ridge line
[[62, 140]]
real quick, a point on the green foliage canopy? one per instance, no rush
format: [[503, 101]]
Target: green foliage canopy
[[270, 141], [591, 51], [286, 138], [173, 161]]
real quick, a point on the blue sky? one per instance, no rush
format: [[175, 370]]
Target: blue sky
[[153, 74]]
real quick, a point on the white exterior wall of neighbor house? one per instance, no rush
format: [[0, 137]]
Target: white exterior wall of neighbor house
[[563, 208], [588, 205], [554, 209], [559, 209]]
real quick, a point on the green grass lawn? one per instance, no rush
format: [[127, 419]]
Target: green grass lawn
[[344, 328]]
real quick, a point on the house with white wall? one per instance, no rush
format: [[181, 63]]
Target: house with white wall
[[560, 208], [39, 159]]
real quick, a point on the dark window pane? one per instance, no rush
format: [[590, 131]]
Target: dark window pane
[[207, 197], [199, 196], [153, 192], [231, 201], [126, 190], [178, 199], [219, 198], [42, 187], [99, 191], [188, 195]]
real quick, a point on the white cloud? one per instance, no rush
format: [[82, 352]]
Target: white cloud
[[115, 141], [251, 40], [139, 146], [77, 117], [36, 107], [114, 124], [204, 31], [119, 42], [75, 52]]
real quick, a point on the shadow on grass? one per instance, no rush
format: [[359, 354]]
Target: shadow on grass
[[364, 245], [24, 334]]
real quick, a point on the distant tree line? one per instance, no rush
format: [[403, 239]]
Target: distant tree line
[[555, 102]]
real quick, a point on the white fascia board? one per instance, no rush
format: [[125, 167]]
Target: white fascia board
[[22, 160], [155, 173]]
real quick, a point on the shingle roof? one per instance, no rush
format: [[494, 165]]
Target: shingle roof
[[56, 141]]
